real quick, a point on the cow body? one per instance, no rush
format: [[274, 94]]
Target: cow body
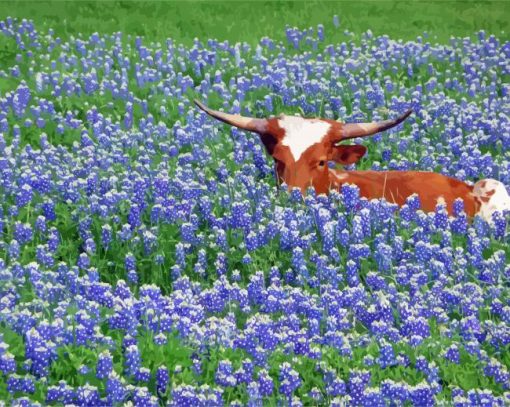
[[397, 186], [302, 147]]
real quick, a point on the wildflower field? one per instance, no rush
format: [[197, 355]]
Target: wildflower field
[[147, 255]]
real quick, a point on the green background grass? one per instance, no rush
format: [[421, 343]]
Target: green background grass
[[251, 20]]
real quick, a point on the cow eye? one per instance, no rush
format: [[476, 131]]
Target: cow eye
[[321, 163]]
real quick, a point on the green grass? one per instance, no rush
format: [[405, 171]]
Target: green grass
[[251, 20]]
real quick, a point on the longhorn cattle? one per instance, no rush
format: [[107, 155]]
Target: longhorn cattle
[[302, 147]]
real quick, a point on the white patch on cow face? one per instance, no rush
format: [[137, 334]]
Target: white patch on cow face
[[302, 133], [497, 195]]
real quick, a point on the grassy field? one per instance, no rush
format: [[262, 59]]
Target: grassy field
[[251, 20]]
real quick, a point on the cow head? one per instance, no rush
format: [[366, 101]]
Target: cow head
[[302, 147]]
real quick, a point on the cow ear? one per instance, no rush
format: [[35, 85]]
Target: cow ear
[[281, 154], [348, 154]]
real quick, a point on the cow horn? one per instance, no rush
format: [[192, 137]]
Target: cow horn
[[353, 130], [245, 123]]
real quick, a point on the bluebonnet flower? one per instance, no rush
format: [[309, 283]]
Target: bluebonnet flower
[[383, 256], [289, 379], [83, 369], [499, 225], [144, 398], [149, 242], [14, 249], [246, 259], [458, 206], [24, 195], [90, 246], [441, 217], [7, 361], [162, 379], [335, 386], [358, 381], [143, 375], [132, 360], [129, 262], [393, 391], [104, 365], [245, 372], [350, 196], [351, 271], [17, 383], [422, 395], [21, 99], [387, 356], [184, 395], [125, 233], [40, 224], [83, 261], [53, 394], [373, 396], [106, 235], [224, 374], [266, 384], [452, 354], [132, 276], [134, 217], [499, 372], [115, 388], [23, 233]]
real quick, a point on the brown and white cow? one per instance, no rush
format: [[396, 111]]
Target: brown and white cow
[[302, 147]]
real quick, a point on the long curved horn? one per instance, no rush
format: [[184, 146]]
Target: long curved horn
[[353, 130], [245, 123]]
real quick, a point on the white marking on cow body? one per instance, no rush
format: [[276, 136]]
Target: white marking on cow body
[[339, 177], [493, 197], [302, 133]]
